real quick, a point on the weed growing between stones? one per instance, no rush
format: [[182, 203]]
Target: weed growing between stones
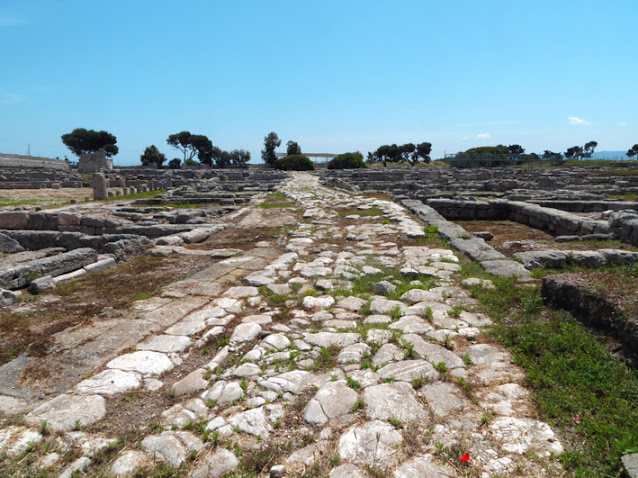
[[327, 358], [572, 374]]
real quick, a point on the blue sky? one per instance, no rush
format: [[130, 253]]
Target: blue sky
[[335, 76]]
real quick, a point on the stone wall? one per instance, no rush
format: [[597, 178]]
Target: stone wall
[[554, 221], [94, 162], [38, 178], [573, 183], [92, 225], [19, 161], [567, 292], [202, 178]]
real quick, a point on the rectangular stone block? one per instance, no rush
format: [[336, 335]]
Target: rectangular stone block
[[13, 220], [69, 219]]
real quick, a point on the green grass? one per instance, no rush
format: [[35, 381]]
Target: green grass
[[628, 273], [273, 205], [365, 284], [372, 212], [624, 197], [142, 195], [618, 173], [432, 238], [35, 201], [598, 162], [275, 200], [571, 374]]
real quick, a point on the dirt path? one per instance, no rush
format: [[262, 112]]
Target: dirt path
[[339, 343]]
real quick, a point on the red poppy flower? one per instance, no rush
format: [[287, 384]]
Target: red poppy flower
[[465, 458]]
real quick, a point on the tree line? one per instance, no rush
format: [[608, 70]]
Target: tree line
[[408, 152], [200, 147], [81, 141]]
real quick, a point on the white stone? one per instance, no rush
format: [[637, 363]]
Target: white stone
[[224, 393], [332, 400], [519, 435], [276, 341], [240, 292], [388, 353], [411, 324], [147, 362], [323, 301], [423, 467], [351, 303], [245, 332], [63, 412], [129, 462], [373, 443], [353, 353], [253, 422], [165, 343], [328, 339], [218, 463], [444, 398], [110, 382], [408, 370], [383, 305], [393, 400]]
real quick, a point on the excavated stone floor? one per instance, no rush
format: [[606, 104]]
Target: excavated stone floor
[[294, 360]]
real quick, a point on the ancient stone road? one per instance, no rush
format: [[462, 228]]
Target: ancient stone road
[[336, 380]]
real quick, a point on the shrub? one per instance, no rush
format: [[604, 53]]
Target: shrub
[[295, 162], [347, 161]]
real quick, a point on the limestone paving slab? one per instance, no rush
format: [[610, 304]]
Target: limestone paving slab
[[332, 400], [370, 444], [393, 400], [110, 382], [147, 363], [165, 343], [433, 353], [64, 412], [423, 467], [408, 370], [245, 332]]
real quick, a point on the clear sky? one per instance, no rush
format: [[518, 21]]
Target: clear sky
[[335, 76]]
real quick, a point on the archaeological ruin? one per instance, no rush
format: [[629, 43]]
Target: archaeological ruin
[[253, 322]]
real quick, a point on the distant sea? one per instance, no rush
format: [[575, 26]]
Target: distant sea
[[619, 155]]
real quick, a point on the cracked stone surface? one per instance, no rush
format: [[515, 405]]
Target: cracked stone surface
[[370, 444], [393, 400], [332, 400], [65, 411]]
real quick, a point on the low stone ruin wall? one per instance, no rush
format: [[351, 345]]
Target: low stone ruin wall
[[205, 179], [565, 291], [31, 162], [558, 259], [23, 274], [516, 184], [473, 247], [554, 221], [588, 206], [621, 224], [121, 246], [45, 178], [91, 225]]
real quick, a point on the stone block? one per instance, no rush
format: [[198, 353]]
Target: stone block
[[13, 220], [69, 219]]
